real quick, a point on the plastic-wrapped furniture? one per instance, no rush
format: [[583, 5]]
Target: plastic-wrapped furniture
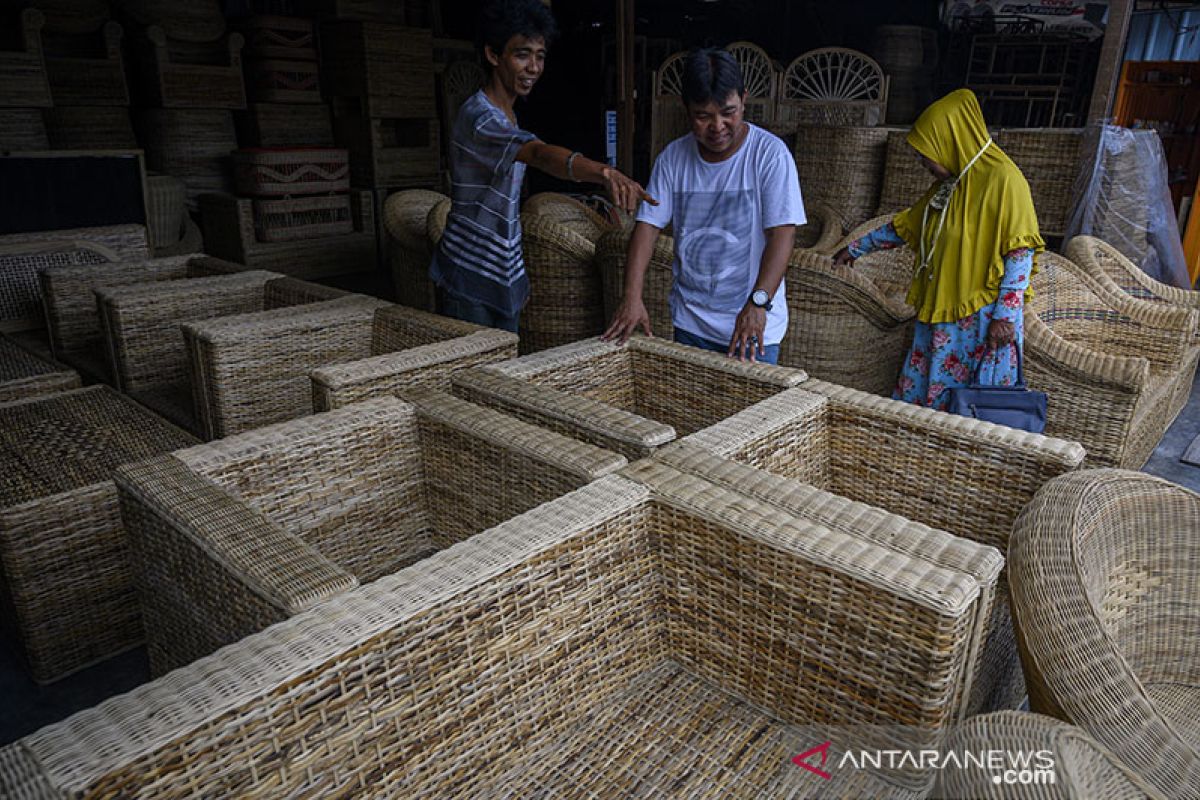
[[631, 398], [611, 249], [1104, 582], [843, 328], [68, 593], [566, 296], [24, 375], [141, 323], [1117, 370], [250, 370], [1104, 263], [409, 248], [1080, 767], [957, 474], [69, 300], [663, 639], [233, 536]]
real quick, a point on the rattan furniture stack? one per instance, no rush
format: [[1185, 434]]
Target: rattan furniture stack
[[24, 85], [643, 634]]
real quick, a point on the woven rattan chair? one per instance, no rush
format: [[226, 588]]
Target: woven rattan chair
[[833, 86], [24, 375], [953, 473], [233, 536], [1105, 264], [657, 638], [404, 216], [141, 324], [842, 167], [1117, 370], [611, 250], [1104, 583], [569, 212], [67, 593], [841, 327], [251, 370], [70, 302], [1082, 768], [668, 116], [630, 398], [566, 297], [890, 271], [822, 231]]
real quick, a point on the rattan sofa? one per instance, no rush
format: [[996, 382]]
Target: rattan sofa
[[67, 595], [1104, 584], [1082, 768], [630, 398], [146, 349], [409, 248], [841, 327], [69, 300], [24, 375], [235, 535], [1117, 370], [251, 370], [628, 639], [952, 473]]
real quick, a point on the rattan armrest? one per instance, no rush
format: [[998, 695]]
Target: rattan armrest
[[568, 414], [553, 235], [430, 365], [279, 569], [1079, 365], [141, 321], [831, 227], [586, 462], [1087, 251], [819, 272], [769, 374], [285, 292], [202, 266], [397, 326]]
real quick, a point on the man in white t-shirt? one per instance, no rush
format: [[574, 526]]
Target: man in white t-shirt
[[731, 193]]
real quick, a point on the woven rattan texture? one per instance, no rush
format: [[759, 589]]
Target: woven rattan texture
[[568, 627], [23, 375], [63, 546], [410, 249], [611, 250], [566, 297], [842, 167], [1112, 553]]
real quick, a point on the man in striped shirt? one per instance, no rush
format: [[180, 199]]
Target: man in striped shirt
[[478, 267]]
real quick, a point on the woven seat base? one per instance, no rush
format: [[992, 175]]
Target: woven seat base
[[672, 734]]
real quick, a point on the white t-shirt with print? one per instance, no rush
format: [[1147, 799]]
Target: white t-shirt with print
[[719, 213]]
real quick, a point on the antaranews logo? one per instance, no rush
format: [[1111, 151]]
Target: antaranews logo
[[1008, 767]]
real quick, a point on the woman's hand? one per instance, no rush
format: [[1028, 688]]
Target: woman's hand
[[843, 258], [748, 334], [1000, 333], [625, 192]]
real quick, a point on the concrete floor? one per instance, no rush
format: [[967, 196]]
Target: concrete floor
[[27, 707]]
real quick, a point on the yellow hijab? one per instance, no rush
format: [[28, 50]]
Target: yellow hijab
[[989, 214]]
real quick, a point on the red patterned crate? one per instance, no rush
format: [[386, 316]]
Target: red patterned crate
[[388, 67], [290, 38], [292, 218], [275, 172], [277, 81]]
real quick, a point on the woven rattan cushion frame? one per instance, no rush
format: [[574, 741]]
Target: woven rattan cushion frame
[[24, 375]]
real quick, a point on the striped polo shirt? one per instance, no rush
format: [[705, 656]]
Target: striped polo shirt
[[479, 258]]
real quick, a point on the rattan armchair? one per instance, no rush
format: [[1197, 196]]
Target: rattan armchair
[[141, 323], [251, 370], [67, 594], [233, 536], [843, 328], [823, 230], [1082, 768], [953, 473], [611, 249], [891, 270], [24, 375], [566, 297], [655, 638], [1117, 370], [69, 299], [569, 212], [1104, 584], [630, 398], [410, 250], [1107, 265]]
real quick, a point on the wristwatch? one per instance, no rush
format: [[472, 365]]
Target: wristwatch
[[760, 298]]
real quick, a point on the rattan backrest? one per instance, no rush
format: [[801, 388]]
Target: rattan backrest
[[833, 86], [758, 72], [404, 215], [287, 292], [569, 212], [611, 250], [400, 328], [435, 221], [668, 116], [1067, 305]]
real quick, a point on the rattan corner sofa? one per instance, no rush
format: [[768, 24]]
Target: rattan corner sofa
[[631, 638]]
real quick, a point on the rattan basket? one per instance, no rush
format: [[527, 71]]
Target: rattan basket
[[165, 199], [279, 81], [277, 172], [292, 218]]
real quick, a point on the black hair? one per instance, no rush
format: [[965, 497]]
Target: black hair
[[710, 74], [500, 20]]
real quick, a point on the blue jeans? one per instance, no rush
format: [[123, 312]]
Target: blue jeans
[[770, 352], [470, 311]]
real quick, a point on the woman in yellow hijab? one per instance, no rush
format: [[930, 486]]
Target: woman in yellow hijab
[[976, 237]]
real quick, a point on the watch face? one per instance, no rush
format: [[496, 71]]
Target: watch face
[[759, 298]]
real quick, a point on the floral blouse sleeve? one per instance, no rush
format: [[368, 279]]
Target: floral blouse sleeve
[[882, 238], [1018, 264]]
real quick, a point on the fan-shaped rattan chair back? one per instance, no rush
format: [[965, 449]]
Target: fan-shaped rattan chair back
[[460, 80], [833, 86], [758, 71], [668, 118]]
